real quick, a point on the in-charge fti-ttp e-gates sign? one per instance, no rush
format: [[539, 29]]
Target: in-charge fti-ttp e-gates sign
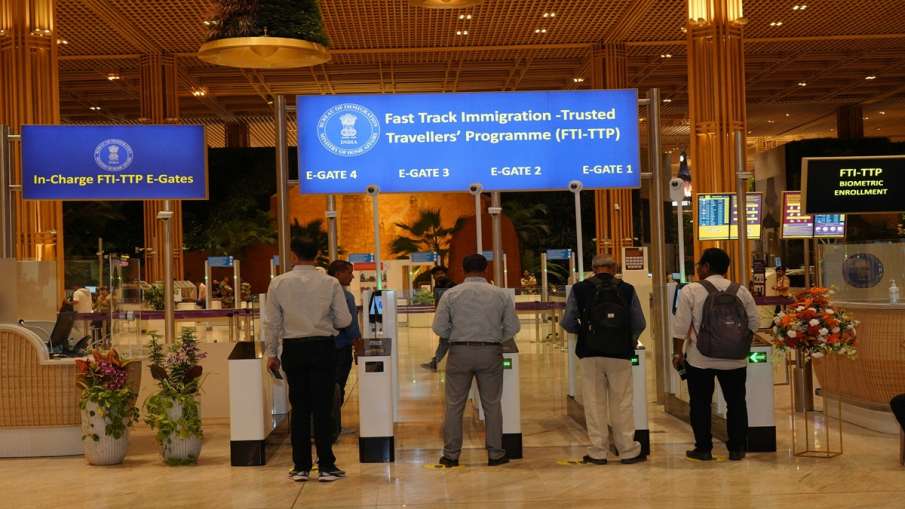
[[64, 162], [505, 141]]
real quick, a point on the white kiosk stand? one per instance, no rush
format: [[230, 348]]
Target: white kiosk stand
[[257, 405], [376, 371], [759, 399], [380, 322]]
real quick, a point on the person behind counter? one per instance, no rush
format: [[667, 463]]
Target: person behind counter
[[305, 309]]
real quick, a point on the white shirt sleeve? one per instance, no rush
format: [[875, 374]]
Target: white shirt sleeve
[[750, 308], [684, 317], [272, 322]]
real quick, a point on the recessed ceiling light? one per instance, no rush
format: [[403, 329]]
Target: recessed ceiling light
[[799, 7], [788, 115], [540, 30], [549, 14], [461, 32], [578, 80], [684, 30], [876, 129], [113, 76], [59, 41], [667, 100], [831, 129], [464, 16], [94, 108], [870, 77], [776, 23], [199, 92], [866, 117], [666, 55], [882, 113], [802, 83], [771, 121]]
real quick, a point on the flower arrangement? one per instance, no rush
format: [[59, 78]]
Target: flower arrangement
[[815, 327], [103, 378], [174, 412]]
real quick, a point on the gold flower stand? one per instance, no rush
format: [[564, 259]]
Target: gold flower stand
[[817, 421]]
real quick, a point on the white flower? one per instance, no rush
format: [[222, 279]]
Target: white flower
[[835, 330], [830, 311], [813, 310], [799, 308], [814, 322], [824, 331], [792, 334], [777, 320], [851, 326], [817, 355]]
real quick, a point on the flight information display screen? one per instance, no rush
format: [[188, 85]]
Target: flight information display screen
[[754, 211], [714, 216], [829, 226], [795, 223]]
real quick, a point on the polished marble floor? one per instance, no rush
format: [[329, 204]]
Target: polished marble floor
[[866, 476]]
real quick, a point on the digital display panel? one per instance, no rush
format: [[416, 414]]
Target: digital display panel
[[714, 216], [754, 211], [853, 185], [795, 223]]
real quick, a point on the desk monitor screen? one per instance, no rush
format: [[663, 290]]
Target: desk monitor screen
[[795, 223], [714, 216], [754, 211], [829, 226]]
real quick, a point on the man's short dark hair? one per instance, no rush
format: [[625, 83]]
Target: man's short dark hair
[[439, 268], [474, 263], [716, 259], [337, 266], [305, 247]]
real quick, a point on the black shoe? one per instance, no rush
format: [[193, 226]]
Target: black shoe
[[432, 365], [637, 459], [592, 461], [448, 463], [736, 455], [497, 462], [699, 454]]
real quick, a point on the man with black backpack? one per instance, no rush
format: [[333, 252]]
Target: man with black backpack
[[715, 320], [606, 314]]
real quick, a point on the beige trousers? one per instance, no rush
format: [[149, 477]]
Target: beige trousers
[[606, 388]]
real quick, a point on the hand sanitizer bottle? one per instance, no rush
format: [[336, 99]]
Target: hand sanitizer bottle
[[893, 293]]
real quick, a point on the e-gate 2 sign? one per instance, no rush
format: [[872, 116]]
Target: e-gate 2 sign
[[64, 162], [505, 141]]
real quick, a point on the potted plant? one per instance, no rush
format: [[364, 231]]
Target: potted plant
[[175, 411], [108, 405]]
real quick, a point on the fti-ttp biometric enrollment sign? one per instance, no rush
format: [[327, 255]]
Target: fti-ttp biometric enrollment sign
[[114, 162], [446, 142]]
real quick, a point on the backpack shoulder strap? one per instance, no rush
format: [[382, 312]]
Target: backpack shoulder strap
[[733, 289], [708, 286]]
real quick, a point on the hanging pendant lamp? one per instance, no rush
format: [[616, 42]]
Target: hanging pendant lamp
[[266, 34]]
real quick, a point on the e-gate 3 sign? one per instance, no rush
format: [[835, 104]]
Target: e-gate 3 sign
[[154, 162], [505, 141], [853, 185]]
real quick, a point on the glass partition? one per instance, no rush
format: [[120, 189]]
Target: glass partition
[[862, 272]]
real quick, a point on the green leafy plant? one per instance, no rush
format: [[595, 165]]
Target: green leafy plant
[[103, 378], [178, 375], [153, 295], [315, 230], [426, 234], [423, 297], [297, 19]]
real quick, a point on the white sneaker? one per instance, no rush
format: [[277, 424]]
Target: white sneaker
[[327, 476], [299, 475]]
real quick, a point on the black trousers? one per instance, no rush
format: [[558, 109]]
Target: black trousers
[[310, 367], [898, 409], [343, 367], [700, 391]]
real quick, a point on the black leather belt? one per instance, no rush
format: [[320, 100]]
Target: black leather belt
[[475, 343], [309, 339]]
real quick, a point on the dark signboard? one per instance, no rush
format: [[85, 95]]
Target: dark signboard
[[853, 185]]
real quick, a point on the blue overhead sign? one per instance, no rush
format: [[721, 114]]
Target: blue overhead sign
[[147, 162], [220, 261], [559, 254], [361, 258], [505, 141], [424, 257]]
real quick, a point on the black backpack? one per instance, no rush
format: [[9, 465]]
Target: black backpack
[[724, 332], [606, 321]]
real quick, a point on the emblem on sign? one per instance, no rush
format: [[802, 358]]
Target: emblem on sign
[[348, 130], [113, 155]]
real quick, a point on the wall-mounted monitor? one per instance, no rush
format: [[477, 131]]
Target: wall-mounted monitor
[[754, 211], [714, 216], [795, 223]]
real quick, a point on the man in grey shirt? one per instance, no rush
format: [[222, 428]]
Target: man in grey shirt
[[305, 308], [477, 318]]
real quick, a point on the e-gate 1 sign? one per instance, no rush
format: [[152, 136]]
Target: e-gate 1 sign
[[152, 162], [505, 141]]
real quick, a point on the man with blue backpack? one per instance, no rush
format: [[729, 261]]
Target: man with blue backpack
[[715, 321], [606, 314]]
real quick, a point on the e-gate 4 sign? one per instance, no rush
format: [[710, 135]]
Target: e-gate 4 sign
[[852, 185], [505, 141], [65, 162]]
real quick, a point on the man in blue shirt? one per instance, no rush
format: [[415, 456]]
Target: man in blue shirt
[[342, 270]]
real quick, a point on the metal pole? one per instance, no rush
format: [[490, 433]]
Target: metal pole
[[282, 183], [505, 271], [658, 244], [741, 205], [237, 284], [168, 305], [331, 227], [479, 228], [7, 204], [100, 262], [579, 240], [572, 277], [680, 228], [376, 213], [495, 210], [207, 285], [544, 285]]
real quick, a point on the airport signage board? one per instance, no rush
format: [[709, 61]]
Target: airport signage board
[[505, 141], [126, 162], [220, 261], [424, 257], [853, 185], [559, 254], [356, 258], [718, 216], [798, 225]]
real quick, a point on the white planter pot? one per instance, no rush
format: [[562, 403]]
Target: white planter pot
[[106, 450], [180, 449]]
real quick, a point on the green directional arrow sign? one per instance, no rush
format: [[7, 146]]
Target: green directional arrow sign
[[635, 360], [757, 358]]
